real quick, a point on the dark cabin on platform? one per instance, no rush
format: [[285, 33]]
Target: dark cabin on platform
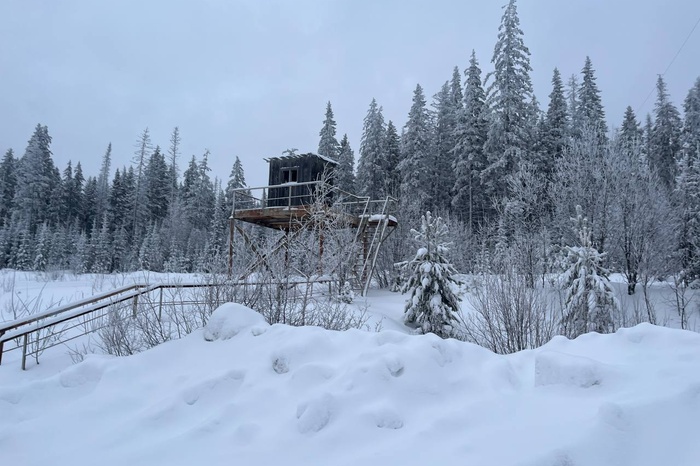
[[291, 169]]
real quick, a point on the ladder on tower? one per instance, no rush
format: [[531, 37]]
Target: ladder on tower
[[372, 231]]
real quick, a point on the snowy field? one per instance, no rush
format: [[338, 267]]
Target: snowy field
[[242, 392]]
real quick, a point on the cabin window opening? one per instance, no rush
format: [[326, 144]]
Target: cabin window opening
[[289, 175]]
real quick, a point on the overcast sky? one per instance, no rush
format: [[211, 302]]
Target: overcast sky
[[251, 78]]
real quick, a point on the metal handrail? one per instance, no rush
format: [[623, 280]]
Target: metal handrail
[[247, 192], [24, 327]]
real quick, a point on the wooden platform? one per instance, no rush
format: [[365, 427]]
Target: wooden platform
[[291, 218]]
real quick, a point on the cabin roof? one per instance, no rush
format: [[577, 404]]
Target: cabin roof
[[300, 156]]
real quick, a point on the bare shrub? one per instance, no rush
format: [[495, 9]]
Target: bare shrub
[[334, 315], [120, 336], [683, 296], [509, 316]]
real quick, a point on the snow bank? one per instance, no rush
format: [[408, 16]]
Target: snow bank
[[230, 319], [556, 368], [296, 396]]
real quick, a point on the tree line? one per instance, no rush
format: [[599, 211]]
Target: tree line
[[144, 217]]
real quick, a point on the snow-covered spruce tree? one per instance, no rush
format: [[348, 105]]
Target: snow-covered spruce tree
[[589, 112], [328, 145], [468, 202], [345, 172], [510, 96], [447, 106], [556, 127], [370, 176], [589, 301], [392, 184], [433, 305], [665, 136], [416, 155], [236, 180]]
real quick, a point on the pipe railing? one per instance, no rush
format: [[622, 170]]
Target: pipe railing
[[35, 333]]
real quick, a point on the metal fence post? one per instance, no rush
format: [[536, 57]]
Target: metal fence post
[[2, 343], [24, 352], [135, 306], [160, 305]]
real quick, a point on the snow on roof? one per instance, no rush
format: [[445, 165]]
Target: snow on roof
[[298, 156]]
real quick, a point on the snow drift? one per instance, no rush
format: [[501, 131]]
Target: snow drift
[[242, 392]]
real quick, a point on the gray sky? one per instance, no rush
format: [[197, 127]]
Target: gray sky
[[251, 78]]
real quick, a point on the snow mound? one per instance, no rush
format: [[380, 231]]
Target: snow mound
[[552, 368], [296, 396], [228, 320], [314, 415]]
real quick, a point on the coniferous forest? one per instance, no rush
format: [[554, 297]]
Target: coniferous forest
[[506, 172]]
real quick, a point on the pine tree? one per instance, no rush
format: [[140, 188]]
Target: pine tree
[[471, 133], [42, 247], [189, 182], [647, 131], [237, 181], [687, 189], [690, 138], [103, 249], [88, 212], [416, 153], [433, 305], [218, 229], [37, 180], [328, 145], [510, 96], [173, 153], [103, 182], [589, 111], [5, 245], [22, 251], [72, 202], [57, 246], [345, 171], [687, 203], [630, 132], [198, 196], [370, 176], [117, 201], [8, 185], [79, 190], [589, 300], [556, 126], [151, 253], [143, 148], [157, 186], [392, 148], [665, 136], [120, 259], [206, 196], [572, 104], [441, 176]]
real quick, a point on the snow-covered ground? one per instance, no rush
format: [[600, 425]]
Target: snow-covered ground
[[243, 392]]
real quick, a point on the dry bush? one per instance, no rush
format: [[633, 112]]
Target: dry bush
[[508, 316]]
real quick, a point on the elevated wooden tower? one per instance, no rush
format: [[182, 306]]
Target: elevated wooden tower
[[301, 197]]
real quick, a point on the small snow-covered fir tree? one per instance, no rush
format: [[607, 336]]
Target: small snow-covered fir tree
[[433, 305], [589, 301]]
